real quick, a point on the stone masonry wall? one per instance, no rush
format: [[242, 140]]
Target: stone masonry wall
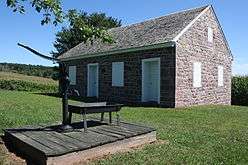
[[131, 92], [193, 46]]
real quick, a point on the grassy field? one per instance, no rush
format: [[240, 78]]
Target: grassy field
[[20, 82], [196, 135], [22, 77]]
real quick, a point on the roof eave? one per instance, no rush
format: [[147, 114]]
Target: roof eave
[[120, 51], [221, 29]]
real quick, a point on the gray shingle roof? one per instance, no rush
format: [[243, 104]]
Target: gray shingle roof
[[150, 32]]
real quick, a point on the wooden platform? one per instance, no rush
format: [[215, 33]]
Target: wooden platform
[[44, 145]]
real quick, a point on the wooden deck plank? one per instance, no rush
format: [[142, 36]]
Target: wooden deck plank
[[118, 132], [104, 132], [43, 139], [32, 143], [51, 143], [67, 145], [83, 157], [121, 129], [66, 141], [91, 138]]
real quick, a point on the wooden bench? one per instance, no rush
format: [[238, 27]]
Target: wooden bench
[[90, 108]]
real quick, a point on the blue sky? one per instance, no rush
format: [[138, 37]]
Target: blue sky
[[27, 29]]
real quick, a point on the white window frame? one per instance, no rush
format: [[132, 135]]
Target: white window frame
[[197, 74], [210, 35], [118, 74], [220, 76], [73, 74]]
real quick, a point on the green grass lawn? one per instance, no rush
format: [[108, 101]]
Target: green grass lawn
[[195, 135]]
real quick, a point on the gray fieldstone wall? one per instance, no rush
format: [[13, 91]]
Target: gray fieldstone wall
[[176, 88], [131, 92], [193, 46]]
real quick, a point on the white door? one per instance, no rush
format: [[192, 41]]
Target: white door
[[92, 80], [151, 80]]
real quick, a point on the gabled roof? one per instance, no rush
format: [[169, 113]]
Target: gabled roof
[[140, 35]]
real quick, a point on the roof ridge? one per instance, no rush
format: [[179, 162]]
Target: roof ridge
[[155, 18]]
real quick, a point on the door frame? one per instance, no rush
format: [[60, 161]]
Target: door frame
[[157, 59], [97, 78]]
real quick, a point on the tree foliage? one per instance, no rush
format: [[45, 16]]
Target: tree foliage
[[84, 27], [240, 90], [51, 9]]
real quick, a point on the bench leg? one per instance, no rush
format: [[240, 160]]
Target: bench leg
[[102, 116], [85, 122], [70, 116], [110, 117], [118, 118]]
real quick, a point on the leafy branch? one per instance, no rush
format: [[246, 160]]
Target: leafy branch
[[51, 9]]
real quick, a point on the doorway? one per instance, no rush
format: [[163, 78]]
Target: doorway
[[92, 82], [151, 80]]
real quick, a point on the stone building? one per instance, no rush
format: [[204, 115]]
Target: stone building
[[180, 59]]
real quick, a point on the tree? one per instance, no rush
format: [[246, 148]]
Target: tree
[[83, 27]]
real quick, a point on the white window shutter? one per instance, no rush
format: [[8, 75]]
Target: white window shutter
[[210, 35], [220, 75], [197, 74], [118, 74], [72, 75]]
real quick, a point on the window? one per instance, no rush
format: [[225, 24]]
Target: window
[[210, 34], [118, 74], [220, 76], [72, 75], [197, 74]]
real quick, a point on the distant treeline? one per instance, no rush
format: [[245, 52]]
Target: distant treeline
[[30, 70]]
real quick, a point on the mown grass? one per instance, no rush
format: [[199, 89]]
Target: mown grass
[[205, 135], [195, 135], [23, 108]]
